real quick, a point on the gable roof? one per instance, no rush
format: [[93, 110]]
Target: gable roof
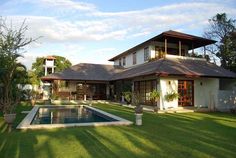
[[172, 36], [176, 67], [85, 71]]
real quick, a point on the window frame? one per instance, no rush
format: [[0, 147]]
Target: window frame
[[146, 54], [134, 58], [124, 61], [120, 62]]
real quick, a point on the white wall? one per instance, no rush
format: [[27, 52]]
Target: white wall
[[129, 58], [49, 63], [168, 85], [205, 92], [140, 53]]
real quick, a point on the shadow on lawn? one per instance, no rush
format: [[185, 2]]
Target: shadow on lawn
[[162, 135]]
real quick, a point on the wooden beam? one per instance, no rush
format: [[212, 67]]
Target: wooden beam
[[180, 48]]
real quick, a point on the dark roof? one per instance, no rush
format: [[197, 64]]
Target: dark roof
[[50, 57], [162, 67], [173, 37], [176, 67], [85, 71]]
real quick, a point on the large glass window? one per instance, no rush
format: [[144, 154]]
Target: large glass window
[[146, 54], [144, 88], [119, 62], [124, 61], [134, 58]]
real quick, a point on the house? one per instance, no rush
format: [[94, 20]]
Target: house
[[163, 63]]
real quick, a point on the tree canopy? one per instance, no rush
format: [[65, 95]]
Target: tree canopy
[[222, 29], [61, 63], [12, 72]]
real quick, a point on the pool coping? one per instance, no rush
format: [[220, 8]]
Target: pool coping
[[26, 122]]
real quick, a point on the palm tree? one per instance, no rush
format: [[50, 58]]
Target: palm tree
[[11, 71]]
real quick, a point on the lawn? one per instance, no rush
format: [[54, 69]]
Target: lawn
[[162, 135]]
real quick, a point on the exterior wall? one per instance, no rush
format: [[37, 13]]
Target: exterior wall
[[226, 100], [151, 51], [227, 95], [168, 85], [205, 92], [129, 58], [49, 63]]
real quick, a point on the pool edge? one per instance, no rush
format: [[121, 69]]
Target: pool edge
[[26, 122]]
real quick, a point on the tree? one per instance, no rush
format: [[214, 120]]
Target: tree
[[222, 30], [61, 63], [12, 72]]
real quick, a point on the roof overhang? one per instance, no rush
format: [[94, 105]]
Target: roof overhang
[[172, 36]]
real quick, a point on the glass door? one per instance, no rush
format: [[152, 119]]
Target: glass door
[[185, 90]]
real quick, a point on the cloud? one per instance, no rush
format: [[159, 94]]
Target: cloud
[[78, 22], [97, 25], [64, 4]]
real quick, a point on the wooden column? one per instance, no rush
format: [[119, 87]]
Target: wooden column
[[85, 91], [192, 49], [204, 51], [180, 48], [165, 46]]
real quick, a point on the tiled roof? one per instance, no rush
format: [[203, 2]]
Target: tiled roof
[[85, 71], [176, 67], [161, 67]]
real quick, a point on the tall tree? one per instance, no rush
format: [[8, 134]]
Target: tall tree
[[222, 29], [12, 72], [61, 63]]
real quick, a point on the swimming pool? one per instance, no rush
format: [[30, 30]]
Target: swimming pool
[[68, 116]]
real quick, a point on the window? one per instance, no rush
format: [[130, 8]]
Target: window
[[66, 84], [124, 61], [146, 54], [144, 88], [119, 62], [134, 58]]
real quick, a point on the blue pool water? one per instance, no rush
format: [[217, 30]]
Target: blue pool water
[[64, 115]]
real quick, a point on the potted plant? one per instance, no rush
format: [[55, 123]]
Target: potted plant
[[9, 112], [155, 95], [128, 97], [170, 96], [136, 101], [10, 105]]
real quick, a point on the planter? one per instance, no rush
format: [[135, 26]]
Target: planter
[[138, 119], [9, 118]]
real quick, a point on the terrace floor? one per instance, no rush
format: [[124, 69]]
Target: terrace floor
[[162, 135]]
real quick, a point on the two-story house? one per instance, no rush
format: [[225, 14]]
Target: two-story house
[[162, 63]]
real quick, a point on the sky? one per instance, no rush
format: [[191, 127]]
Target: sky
[[93, 31]]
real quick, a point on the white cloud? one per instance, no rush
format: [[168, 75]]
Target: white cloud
[[83, 22], [64, 4], [97, 25]]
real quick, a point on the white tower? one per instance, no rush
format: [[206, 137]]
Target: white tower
[[49, 67]]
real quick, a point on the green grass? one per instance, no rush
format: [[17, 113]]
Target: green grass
[[162, 135]]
